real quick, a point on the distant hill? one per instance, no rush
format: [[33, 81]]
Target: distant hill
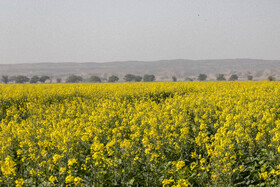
[[162, 69]]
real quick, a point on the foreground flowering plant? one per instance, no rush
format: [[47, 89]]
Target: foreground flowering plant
[[140, 134]]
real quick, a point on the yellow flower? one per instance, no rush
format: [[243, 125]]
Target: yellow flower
[[44, 153], [180, 165], [264, 175], [62, 170], [83, 167], [167, 182], [56, 158], [52, 179], [72, 161], [69, 179], [8, 167], [182, 183], [32, 172], [19, 182], [193, 155], [19, 152], [193, 165], [78, 180], [241, 168]]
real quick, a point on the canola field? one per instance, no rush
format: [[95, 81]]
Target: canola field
[[140, 134]]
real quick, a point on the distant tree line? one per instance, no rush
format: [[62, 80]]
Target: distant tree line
[[113, 78], [76, 79], [24, 79], [219, 77]]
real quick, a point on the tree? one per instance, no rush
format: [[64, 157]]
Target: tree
[[5, 79], [271, 78], [74, 79], [149, 78], [94, 78], [131, 77], [202, 77], [113, 78], [220, 77], [21, 79], [58, 80], [12, 79], [233, 77], [34, 79], [250, 77], [174, 79], [44, 78], [137, 78]]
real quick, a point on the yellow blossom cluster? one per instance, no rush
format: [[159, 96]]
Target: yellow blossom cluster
[[140, 134]]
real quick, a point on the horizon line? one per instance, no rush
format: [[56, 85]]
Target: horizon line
[[117, 61]]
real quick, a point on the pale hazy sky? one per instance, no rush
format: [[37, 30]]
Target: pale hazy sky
[[117, 30]]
